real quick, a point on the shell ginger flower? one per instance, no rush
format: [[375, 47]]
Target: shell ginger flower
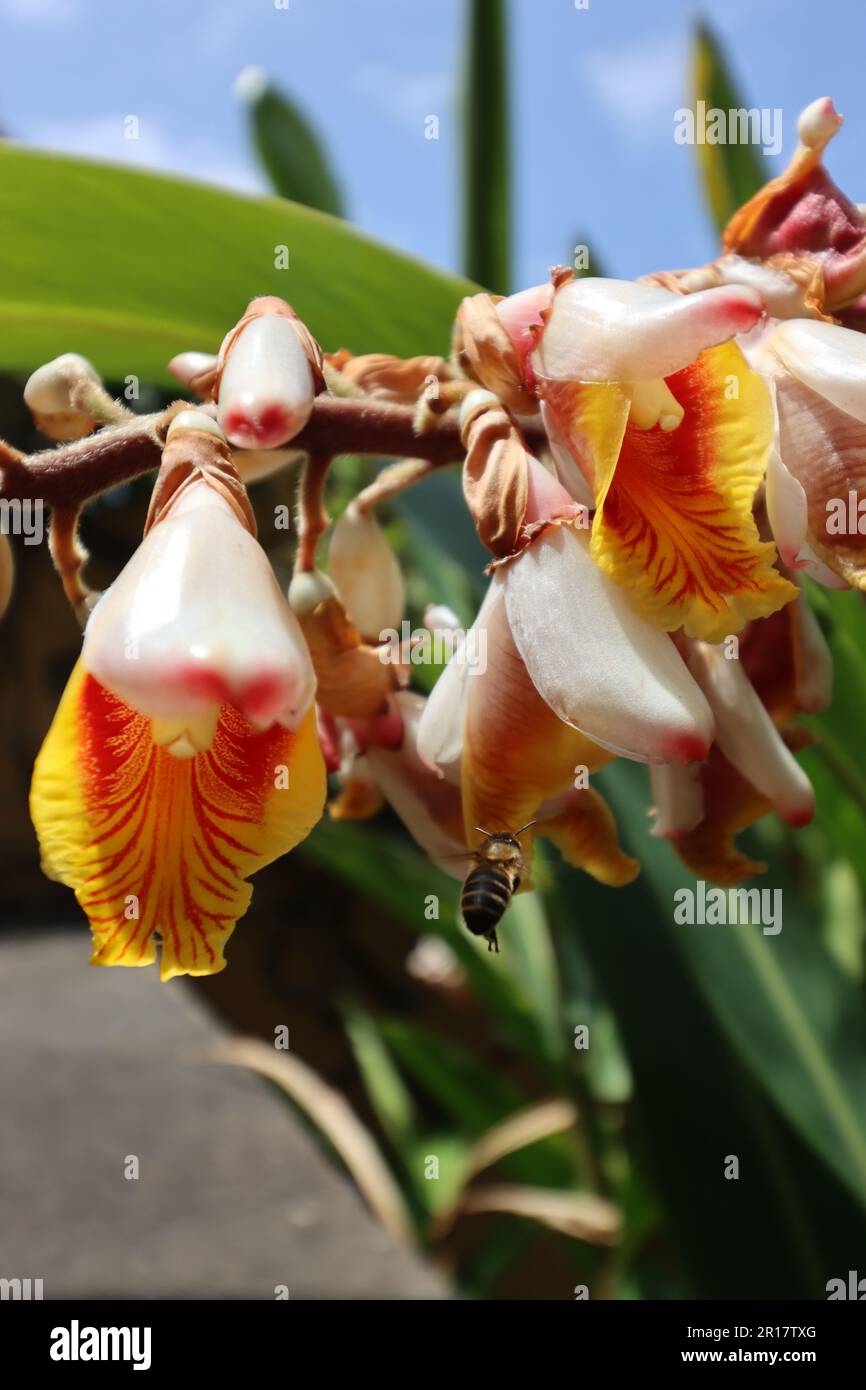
[[183, 755]]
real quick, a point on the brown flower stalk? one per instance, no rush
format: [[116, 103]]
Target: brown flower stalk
[[72, 473]]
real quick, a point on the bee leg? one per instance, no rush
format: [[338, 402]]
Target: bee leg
[[492, 942]]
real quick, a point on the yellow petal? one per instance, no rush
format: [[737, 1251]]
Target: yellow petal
[[159, 847], [674, 522]]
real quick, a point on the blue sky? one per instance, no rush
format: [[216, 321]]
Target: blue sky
[[594, 92]]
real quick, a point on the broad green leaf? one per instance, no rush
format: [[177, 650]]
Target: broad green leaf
[[731, 172], [130, 268], [695, 1102], [530, 958], [292, 154], [486, 211], [786, 1008]]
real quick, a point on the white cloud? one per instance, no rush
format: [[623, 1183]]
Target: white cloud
[[40, 13], [103, 137], [640, 84], [409, 97]]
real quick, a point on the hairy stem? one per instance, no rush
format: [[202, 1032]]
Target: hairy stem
[[313, 519], [72, 473]]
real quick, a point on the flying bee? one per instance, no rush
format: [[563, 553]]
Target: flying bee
[[489, 887]]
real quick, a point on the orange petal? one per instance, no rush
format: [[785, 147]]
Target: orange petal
[[732, 805], [585, 834], [158, 847], [516, 752]]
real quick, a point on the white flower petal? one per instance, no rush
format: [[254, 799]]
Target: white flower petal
[[787, 508], [197, 618], [783, 296], [747, 735], [829, 359], [425, 804], [440, 731], [821, 573], [598, 665], [616, 330], [678, 796]]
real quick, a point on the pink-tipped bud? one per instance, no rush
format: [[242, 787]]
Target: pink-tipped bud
[[267, 385], [818, 123]]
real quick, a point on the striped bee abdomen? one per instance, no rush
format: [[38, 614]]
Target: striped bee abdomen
[[486, 894]]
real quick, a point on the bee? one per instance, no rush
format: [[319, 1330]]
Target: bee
[[489, 887]]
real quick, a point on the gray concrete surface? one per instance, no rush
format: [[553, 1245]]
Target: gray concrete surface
[[233, 1198]]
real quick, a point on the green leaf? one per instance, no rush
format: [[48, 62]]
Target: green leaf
[[386, 1090], [530, 959], [393, 872], [732, 172], [130, 268], [476, 1098], [485, 147], [778, 1230], [288, 147], [786, 1008]]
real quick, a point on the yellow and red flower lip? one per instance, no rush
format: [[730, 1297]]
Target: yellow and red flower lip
[[663, 419], [158, 841]]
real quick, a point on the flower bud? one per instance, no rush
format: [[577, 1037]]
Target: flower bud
[[818, 123], [194, 420], [307, 590], [192, 368], [48, 395], [268, 377], [366, 573]]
